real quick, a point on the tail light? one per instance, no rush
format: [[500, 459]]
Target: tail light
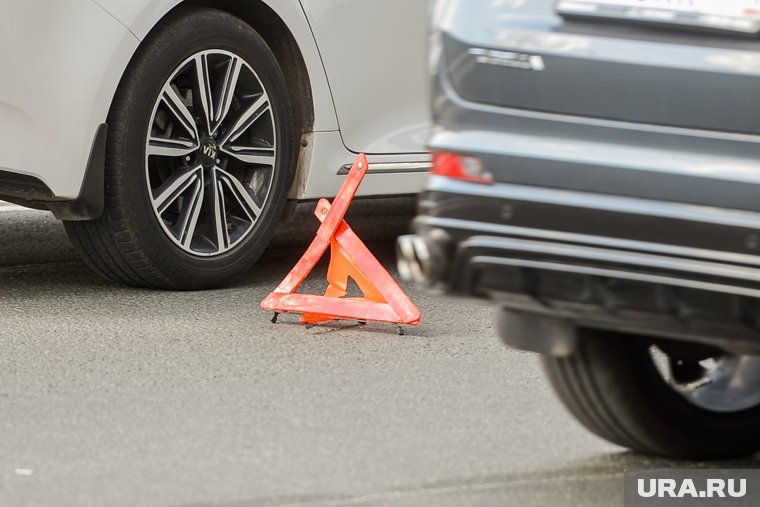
[[461, 167]]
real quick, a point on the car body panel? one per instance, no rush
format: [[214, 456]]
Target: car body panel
[[636, 81], [598, 69], [56, 90], [560, 131], [375, 64], [326, 155]]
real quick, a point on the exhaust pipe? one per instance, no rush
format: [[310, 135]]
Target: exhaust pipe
[[423, 259]]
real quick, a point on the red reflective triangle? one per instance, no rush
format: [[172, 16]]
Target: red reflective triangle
[[383, 301]]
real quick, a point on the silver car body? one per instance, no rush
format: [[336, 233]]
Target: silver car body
[[62, 62]]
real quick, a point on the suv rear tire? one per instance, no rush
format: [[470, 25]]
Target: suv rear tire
[[612, 385]]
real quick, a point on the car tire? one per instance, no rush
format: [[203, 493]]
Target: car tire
[[211, 232], [611, 384]]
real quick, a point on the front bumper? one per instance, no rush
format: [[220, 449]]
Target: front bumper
[[613, 262]]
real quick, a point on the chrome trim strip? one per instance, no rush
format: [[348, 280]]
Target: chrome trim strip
[[392, 168], [692, 14], [511, 59]]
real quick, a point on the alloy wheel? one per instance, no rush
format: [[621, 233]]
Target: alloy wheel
[[724, 383], [210, 153]]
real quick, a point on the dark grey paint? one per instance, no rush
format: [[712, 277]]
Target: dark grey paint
[[602, 81], [626, 170], [665, 118]]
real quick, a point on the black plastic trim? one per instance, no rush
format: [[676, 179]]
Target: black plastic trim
[[602, 220], [14, 186], [91, 201], [553, 337], [597, 268]]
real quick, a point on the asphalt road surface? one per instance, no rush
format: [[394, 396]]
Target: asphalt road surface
[[119, 396]]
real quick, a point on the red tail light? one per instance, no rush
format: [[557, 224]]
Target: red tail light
[[461, 167]]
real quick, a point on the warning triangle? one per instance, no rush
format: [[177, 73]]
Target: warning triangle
[[383, 300]]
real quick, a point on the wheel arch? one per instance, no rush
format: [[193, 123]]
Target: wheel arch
[[282, 25], [283, 44]]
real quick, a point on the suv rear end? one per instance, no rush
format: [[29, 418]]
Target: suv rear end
[[598, 180]]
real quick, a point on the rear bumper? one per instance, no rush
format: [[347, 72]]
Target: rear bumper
[[34, 193], [613, 262], [626, 179]]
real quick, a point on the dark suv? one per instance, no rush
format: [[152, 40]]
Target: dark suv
[[597, 175]]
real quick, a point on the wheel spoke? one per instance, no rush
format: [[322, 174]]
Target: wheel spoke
[[227, 91], [247, 118], [178, 108], [165, 147], [238, 192], [261, 156], [188, 220], [175, 186], [203, 101], [219, 212]]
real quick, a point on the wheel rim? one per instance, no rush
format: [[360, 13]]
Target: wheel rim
[[727, 383], [210, 153]]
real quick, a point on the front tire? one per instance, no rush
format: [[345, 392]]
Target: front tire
[[200, 155], [613, 385]]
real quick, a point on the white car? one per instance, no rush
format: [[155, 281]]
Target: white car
[[168, 134]]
